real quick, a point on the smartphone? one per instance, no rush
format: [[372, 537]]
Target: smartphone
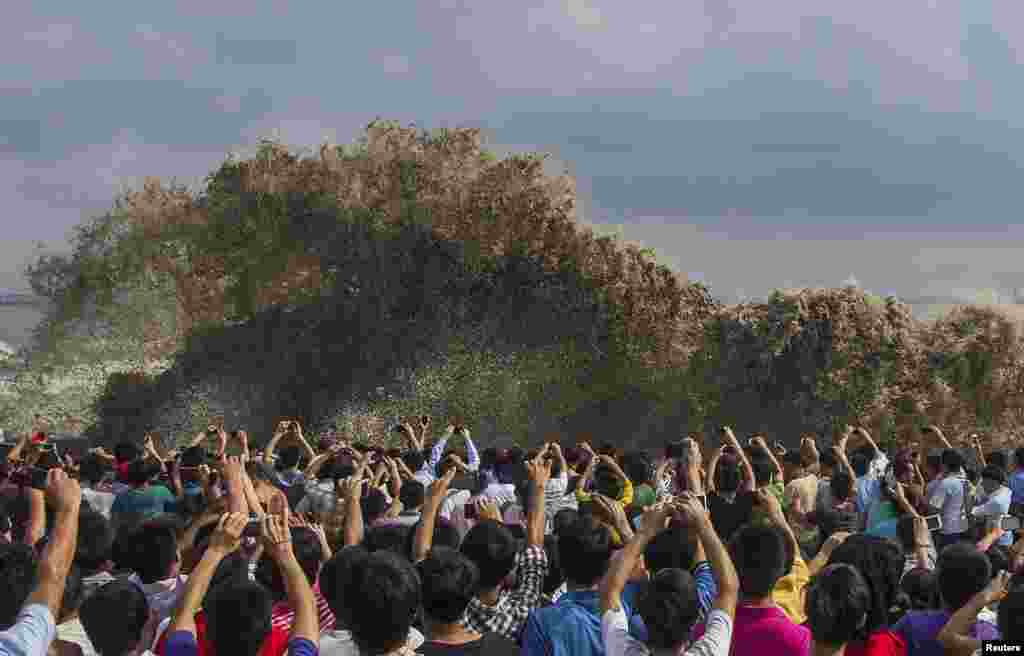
[[1009, 523], [934, 522]]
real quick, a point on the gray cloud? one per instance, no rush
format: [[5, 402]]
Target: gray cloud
[[256, 52], [20, 136], [594, 144]]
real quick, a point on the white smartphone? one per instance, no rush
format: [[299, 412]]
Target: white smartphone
[[934, 522]]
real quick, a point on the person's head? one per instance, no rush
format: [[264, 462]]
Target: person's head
[[669, 607], [999, 459], [1018, 457], [636, 466], [673, 548], [563, 519], [141, 472], [792, 464], [999, 558], [445, 535], [387, 537], [384, 598], [992, 478], [411, 495], [963, 572], [1010, 616], [114, 616], [860, 462], [288, 457], [153, 553], [763, 466], [761, 556], [91, 470], [238, 616], [880, 562], [555, 577], [728, 475], [448, 581], [922, 589], [308, 552], [413, 459], [492, 547], [94, 549], [827, 463], [952, 461], [374, 505], [334, 578], [607, 482], [841, 485], [585, 549], [17, 579], [126, 452], [838, 603]]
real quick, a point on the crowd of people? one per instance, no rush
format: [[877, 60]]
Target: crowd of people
[[327, 546]]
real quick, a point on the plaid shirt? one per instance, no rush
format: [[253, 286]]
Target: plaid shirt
[[508, 616]]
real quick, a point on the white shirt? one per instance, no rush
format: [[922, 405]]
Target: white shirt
[[340, 643], [948, 497], [617, 641], [163, 595], [101, 502], [993, 507], [74, 632], [32, 633]]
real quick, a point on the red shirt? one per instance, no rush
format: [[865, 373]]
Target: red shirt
[[879, 643], [284, 616], [275, 644]]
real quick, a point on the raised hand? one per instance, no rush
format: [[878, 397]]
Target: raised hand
[[228, 534]]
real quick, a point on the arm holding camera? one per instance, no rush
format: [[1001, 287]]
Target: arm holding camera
[[279, 433], [471, 453], [748, 470]]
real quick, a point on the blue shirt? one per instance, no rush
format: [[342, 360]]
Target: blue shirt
[[570, 627], [1017, 487], [707, 590]]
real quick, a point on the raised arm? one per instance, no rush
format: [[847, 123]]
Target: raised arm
[[353, 530], [65, 496], [471, 453], [277, 543], [539, 473], [611, 588], [438, 451], [937, 432], [268, 451], [954, 636], [748, 470], [424, 537]]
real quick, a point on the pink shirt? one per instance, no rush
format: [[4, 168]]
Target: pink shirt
[[765, 632]]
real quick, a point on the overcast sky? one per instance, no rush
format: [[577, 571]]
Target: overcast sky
[[752, 144]]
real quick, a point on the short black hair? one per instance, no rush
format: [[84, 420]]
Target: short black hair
[[555, 577], [95, 541], [448, 581], [635, 465], [827, 458], [374, 505], [334, 577], [952, 460], [841, 485], [585, 548], [999, 459], [193, 456], [309, 554], [151, 551], [288, 457], [140, 472], [880, 562], [963, 572], [492, 547], [384, 594], [126, 452], [837, 603], [669, 607], [414, 459], [562, 519], [673, 548], [728, 474], [238, 616], [763, 466], [759, 554], [1018, 455], [387, 537], [412, 494], [994, 473], [17, 580], [1010, 616], [859, 463], [91, 469], [113, 617], [922, 589], [793, 459], [445, 535]]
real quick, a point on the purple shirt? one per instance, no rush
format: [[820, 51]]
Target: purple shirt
[[919, 629]]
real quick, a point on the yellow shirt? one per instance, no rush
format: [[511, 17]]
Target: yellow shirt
[[788, 593], [627, 494]]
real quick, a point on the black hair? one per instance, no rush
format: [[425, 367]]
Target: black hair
[[413, 459], [607, 482], [1010, 616], [952, 460], [838, 604], [1018, 456], [238, 616], [669, 607], [389, 537], [412, 494], [17, 580], [114, 616], [151, 551], [126, 452], [493, 548], [933, 461], [763, 466], [880, 561], [386, 590], [728, 474], [827, 459], [91, 469], [448, 581], [374, 505], [555, 577], [759, 554], [308, 552], [673, 548], [563, 519], [793, 459], [95, 541], [860, 462], [994, 473], [288, 457], [193, 456], [922, 589], [140, 472], [963, 572], [841, 485], [999, 558], [999, 459], [585, 549], [635, 465], [445, 535], [334, 577]]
